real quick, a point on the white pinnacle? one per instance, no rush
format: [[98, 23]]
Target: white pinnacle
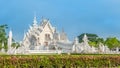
[[10, 39], [35, 21]]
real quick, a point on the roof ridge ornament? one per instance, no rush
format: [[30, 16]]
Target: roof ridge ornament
[[35, 20]]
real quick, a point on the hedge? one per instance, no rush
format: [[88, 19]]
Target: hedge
[[59, 61]]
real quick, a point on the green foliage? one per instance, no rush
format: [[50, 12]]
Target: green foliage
[[3, 37], [94, 40], [96, 43], [112, 42], [99, 40], [59, 61], [93, 44], [2, 32], [15, 44], [91, 37]]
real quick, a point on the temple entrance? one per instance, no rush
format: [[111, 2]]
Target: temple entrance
[[46, 43]]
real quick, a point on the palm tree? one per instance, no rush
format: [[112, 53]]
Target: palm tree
[[3, 37]]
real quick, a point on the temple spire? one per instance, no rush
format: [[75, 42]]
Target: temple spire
[[24, 35], [10, 39], [35, 20]]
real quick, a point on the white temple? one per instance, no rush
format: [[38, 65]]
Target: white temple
[[44, 38]]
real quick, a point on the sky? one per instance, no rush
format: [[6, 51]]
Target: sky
[[101, 17]]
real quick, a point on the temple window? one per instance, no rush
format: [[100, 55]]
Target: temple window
[[47, 37]]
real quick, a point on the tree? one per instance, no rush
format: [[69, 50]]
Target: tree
[[93, 44], [18, 45], [3, 37], [91, 37], [100, 40], [2, 32], [15, 44], [112, 42], [94, 40]]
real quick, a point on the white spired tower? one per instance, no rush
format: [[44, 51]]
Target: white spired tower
[[10, 40]]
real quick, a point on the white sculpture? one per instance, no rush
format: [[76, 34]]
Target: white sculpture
[[83, 47]]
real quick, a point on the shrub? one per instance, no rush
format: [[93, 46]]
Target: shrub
[[59, 61]]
